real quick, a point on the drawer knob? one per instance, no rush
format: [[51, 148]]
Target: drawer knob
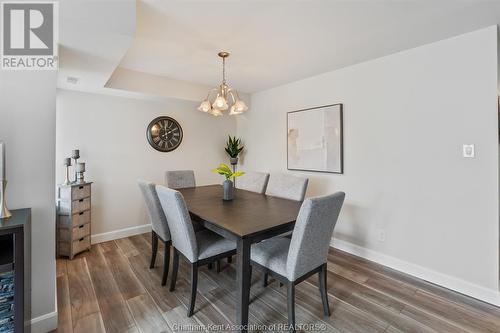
[[80, 187], [81, 213], [81, 200], [81, 239], [83, 225]]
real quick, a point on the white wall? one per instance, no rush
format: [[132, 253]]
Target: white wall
[[111, 135], [406, 117], [27, 125]]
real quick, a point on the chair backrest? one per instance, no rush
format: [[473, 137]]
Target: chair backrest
[[312, 233], [179, 222], [176, 179], [287, 187], [253, 181], [155, 212]]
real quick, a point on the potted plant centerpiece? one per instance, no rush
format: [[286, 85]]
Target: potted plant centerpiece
[[233, 149], [224, 170]]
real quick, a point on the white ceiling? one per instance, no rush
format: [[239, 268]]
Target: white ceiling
[[274, 42], [94, 35]]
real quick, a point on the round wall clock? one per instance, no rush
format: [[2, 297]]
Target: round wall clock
[[164, 134]]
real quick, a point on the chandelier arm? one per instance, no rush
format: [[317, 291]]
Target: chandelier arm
[[231, 92], [210, 92], [237, 95]]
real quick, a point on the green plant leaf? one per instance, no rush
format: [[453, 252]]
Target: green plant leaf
[[224, 167], [224, 170], [233, 146], [237, 174]]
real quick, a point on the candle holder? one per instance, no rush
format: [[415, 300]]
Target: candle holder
[[4, 211], [75, 154], [80, 170], [67, 164]]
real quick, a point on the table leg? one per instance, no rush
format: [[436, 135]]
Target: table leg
[[243, 281]]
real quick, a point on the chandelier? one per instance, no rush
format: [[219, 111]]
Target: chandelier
[[225, 96]]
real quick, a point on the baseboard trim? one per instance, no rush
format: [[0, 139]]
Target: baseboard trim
[[120, 233], [44, 323], [446, 281]]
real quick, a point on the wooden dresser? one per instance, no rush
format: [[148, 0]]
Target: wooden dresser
[[73, 219]]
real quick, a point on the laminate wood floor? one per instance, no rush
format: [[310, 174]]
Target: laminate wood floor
[[112, 289]]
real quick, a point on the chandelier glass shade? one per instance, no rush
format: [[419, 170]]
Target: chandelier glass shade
[[221, 98]]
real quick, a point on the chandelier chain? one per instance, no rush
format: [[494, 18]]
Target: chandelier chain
[[224, 70]]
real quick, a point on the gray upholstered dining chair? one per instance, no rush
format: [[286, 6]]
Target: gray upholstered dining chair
[[253, 181], [287, 187], [291, 261], [158, 224], [176, 179], [199, 248]]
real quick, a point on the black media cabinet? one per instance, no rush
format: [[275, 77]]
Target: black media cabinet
[[15, 273]]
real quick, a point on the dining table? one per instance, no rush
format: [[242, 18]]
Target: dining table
[[249, 218]]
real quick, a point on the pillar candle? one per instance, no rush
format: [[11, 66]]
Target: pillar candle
[[2, 161], [75, 154]]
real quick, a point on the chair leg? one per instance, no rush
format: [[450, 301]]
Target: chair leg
[[175, 268], [166, 263], [266, 280], [229, 259], [291, 305], [154, 248], [217, 265], [322, 290], [194, 283]]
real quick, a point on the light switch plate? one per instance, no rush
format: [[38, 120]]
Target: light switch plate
[[468, 151]]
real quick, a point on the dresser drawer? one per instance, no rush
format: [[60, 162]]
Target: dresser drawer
[[80, 192], [75, 233], [79, 245], [80, 205], [75, 220], [74, 191]]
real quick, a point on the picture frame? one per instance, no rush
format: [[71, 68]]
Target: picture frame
[[315, 139]]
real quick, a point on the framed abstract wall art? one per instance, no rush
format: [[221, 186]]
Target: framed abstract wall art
[[315, 139]]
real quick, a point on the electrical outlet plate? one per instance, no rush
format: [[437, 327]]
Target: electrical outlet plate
[[468, 151]]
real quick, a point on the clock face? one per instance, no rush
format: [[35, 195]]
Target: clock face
[[164, 134]]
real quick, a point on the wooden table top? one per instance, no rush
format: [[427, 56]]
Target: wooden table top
[[247, 214]]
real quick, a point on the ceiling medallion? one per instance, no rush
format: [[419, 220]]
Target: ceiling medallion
[[225, 95]]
